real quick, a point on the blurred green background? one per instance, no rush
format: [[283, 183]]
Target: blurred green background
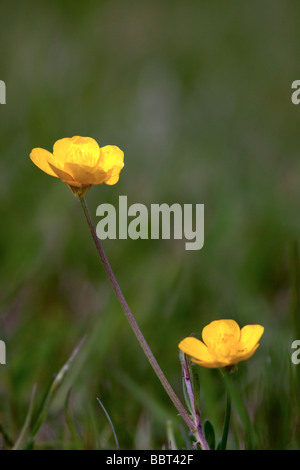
[[198, 95]]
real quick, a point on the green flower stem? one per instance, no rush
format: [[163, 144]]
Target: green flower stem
[[180, 408], [226, 422]]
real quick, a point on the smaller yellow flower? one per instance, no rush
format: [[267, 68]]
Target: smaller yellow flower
[[224, 344], [80, 163]]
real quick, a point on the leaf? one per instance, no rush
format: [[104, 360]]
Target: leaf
[[26, 425], [196, 388], [209, 434]]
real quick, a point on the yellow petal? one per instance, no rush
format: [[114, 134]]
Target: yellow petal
[[224, 344], [250, 335], [86, 175], [77, 150], [111, 157], [40, 158], [113, 161], [196, 349], [242, 356], [113, 179], [212, 364], [219, 332], [105, 170], [79, 161], [64, 176]]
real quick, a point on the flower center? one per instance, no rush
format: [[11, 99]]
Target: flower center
[[225, 348]]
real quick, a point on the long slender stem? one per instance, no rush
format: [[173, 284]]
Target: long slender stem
[[180, 408], [226, 422]]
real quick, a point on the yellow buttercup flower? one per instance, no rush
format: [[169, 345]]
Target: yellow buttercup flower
[[224, 344], [80, 163]]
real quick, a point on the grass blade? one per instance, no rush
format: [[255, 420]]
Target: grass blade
[[51, 394], [26, 425], [110, 423]]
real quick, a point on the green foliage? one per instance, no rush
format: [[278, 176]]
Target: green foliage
[[209, 433], [197, 94]]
